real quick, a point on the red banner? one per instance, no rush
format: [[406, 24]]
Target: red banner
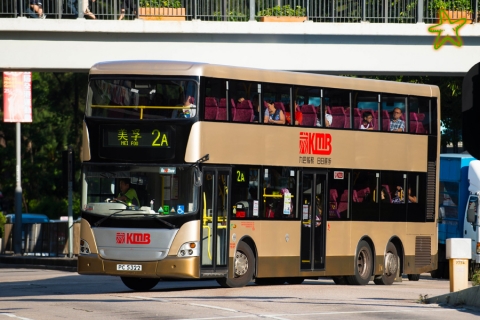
[[17, 97]]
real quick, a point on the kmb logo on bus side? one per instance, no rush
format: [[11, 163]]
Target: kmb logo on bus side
[[315, 143], [133, 238]]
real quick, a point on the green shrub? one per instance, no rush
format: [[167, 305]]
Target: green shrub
[[285, 11], [476, 278], [160, 3], [231, 16], [460, 5], [3, 219]]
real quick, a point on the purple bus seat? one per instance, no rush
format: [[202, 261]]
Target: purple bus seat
[[343, 204], [333, 194], [385, 117], [211, 108], [413, 123], [279, 105], [244, 112], [338, 117], [422, 127], [309, 115], [222, 110]]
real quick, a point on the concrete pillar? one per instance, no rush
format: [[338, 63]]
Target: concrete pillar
[[458, 252]]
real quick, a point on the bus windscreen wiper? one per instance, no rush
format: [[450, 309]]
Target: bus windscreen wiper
[[97, 224], [157, 217]]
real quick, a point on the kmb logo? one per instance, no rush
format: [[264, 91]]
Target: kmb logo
[[133, 238], [315, 143]]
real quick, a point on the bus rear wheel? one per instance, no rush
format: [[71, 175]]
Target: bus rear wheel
[[413, 277], [243, 266], [363, 265], [391, 266], [140, 284]]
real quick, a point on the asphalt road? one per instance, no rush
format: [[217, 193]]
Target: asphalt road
[[50, 294]]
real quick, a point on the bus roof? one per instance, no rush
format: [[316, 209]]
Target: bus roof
[[179, 68]]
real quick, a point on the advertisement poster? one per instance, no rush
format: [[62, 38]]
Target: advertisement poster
[[17, 96]]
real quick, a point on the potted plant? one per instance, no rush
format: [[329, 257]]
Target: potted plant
[[161, 10], [455, 9], [282, 14]]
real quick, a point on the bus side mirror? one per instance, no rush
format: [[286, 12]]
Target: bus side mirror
[[197, 177]]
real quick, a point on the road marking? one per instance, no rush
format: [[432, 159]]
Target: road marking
[[11, 315], [278, 316], [147, 298], [213, 307]]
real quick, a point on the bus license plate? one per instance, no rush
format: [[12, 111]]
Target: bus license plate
[[129, 267]]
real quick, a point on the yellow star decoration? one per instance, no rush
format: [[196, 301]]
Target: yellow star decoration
[[455, 26]]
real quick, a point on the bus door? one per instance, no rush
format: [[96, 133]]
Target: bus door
[[313, 206], [214, 221]]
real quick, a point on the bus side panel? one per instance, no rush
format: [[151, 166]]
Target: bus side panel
[[277, 246]]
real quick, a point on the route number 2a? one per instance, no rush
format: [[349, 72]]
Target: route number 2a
[[160, 139]]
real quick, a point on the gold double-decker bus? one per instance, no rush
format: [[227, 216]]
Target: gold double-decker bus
[[246, 175]]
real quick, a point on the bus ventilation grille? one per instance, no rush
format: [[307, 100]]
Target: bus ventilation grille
[[430, 207], [423, 255]]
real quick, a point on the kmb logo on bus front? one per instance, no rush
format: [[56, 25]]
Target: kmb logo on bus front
[[315, 143], [133, 238]]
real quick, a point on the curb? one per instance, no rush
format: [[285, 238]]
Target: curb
[[468, 297], [53, 263]]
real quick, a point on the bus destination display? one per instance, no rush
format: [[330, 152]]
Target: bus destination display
[[134, 137]]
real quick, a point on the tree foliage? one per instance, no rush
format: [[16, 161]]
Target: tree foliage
[[58, 101]]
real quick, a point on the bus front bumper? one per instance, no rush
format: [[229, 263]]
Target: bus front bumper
[[170, 267]]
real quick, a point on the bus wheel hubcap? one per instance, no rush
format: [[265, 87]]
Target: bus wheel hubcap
[[241, 264], [390, 264], [362, 263]]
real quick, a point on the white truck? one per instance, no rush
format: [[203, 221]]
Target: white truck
[[458, 215]]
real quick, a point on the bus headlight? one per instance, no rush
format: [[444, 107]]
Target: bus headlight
[[478, 247], [84, 247], [189, 249]]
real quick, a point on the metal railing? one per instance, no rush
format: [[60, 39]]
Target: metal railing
[[344, 11], [42, 239]]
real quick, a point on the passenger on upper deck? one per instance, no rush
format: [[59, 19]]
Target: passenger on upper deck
[[298, 115], [273, 115], [384, 196], [367, 121], [399, 196], [256, 109], [411, 198], [328, 118], [189, 109], [397, 124]]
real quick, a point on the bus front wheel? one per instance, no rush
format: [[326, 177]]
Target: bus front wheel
[[140, 284], [391, 266], [243, 267], [363, 265]]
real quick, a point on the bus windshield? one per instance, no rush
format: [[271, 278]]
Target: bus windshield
[[133, 98], [166, 190]]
